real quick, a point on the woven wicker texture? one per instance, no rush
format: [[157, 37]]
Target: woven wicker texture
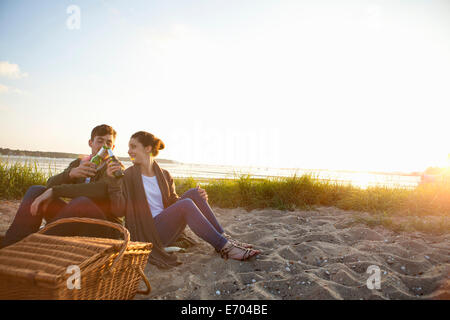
[[37, 266]]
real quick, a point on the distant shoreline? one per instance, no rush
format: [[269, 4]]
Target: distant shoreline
[[66, 155], [58, 155]]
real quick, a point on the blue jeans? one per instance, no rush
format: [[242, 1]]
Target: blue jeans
[[25, 224], [194, 211]]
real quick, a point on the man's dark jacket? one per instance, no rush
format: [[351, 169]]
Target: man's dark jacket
[[98, 189]]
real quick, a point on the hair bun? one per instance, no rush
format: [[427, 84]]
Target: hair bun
[[160, 144], [148, 139]]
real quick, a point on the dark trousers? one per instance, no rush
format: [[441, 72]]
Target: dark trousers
[[25, 224]]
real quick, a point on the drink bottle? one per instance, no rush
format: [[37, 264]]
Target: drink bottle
[[98, 159], [119, 173], [101, 156]]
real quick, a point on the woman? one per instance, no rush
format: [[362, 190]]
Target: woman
[[153, 211]]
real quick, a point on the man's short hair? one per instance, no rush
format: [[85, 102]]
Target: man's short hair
[[102, 130]]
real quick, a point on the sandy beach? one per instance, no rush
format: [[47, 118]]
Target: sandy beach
[[315, 254]]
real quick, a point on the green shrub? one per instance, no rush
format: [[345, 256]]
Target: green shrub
[[16, 178]]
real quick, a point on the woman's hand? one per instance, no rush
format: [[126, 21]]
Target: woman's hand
[[43, 199], [202, 193], [114, 166]]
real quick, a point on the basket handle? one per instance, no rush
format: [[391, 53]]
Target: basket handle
[[147, 283], [125, 232]]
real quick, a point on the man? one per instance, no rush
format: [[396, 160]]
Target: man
[[89, 200]]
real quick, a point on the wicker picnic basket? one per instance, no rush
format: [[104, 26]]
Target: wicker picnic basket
[[41, 266]]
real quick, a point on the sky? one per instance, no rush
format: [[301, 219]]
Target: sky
[[350, 85]]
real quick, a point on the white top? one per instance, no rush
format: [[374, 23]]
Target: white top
[[153, 194]]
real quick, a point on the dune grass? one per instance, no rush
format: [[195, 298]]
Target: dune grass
[[16, 178], [398, 209], [286, 193], [300, 192]]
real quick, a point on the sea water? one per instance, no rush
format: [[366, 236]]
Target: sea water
[[207, 171]]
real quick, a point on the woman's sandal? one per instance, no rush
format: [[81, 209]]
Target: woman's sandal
[[236, 242], [224, 253]]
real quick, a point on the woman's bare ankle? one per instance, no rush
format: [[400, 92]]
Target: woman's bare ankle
[[226, 245], [236, 252]]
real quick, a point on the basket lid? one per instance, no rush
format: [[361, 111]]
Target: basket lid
[[42, 257], [46, 258]]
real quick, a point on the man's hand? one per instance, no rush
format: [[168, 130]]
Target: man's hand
[[43, 199], [84, 170], [202, 193], [114, 166]]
